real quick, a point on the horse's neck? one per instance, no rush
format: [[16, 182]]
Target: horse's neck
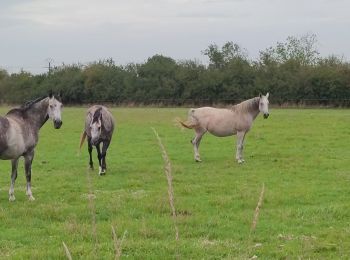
[[249, 107], [254, 111], [37, 115]]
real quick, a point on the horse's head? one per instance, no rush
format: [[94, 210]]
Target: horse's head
[[54, 111], [264, 105], [96, 126]]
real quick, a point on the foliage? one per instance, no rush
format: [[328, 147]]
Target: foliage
[[292, 71], [301, 50], [220, 58]]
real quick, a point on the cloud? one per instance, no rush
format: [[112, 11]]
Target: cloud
[[69, 14], [79, 13], [85, 30]]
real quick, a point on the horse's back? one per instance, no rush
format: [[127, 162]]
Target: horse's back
[[204, 114], [91, 110], [108, 119], [211, 111]]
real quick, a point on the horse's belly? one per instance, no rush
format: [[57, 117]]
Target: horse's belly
[[222, 130], [222, 133], [6, 157], [15, 146], [12, 152]]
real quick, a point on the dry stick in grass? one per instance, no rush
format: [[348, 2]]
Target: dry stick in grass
[[167, 169], [117, 245], [257, 209], [255, 221], [92, 211], [66, 250]]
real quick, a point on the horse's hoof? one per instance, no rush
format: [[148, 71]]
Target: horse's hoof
[[31, 198], [101, 171], [240, 161], [12, 198], [198, 160]]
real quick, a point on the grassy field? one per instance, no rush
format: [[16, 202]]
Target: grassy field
[[301, 156]]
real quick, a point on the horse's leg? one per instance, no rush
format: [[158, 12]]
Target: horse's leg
[[196, 142], [99, 157], [240, 140], [28, 159], [103, 155], [14, 163], [90, 153]]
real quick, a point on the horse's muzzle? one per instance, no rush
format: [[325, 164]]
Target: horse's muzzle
[[94, 142], [57, 124], [266, 115]]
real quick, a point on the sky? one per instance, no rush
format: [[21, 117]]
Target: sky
[[81, 31]]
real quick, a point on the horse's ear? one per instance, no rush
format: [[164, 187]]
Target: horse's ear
[[267, 95], [59, 96]]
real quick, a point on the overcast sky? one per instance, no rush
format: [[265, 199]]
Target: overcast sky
[[72, 31]]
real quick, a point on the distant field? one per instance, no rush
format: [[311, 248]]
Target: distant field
[[302, 157]]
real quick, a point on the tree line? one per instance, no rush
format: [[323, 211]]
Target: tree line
[[292, 71]]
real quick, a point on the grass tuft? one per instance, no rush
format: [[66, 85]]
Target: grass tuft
[[66, 250], [167, 170], [257, 209], [118, 244]]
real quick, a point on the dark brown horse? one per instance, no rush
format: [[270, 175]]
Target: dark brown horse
[[19, 134]]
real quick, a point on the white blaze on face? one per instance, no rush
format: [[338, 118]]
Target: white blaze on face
[[264, 105], [54, 111], [95, 128]]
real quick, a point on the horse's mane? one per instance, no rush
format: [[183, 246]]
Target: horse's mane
[[247, 105], [107, 119], [25, 107], [30, 103], [96, 115]]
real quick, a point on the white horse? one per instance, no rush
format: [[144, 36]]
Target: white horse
[[226, 122]]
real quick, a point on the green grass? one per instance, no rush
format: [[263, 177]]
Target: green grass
[[302, 157]]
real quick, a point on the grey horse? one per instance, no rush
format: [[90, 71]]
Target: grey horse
[[99, 127], [19, 134], [226, 122]]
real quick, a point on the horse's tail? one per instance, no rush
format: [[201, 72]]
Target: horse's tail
[[186, 124], [192, 121], [82, 139]]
